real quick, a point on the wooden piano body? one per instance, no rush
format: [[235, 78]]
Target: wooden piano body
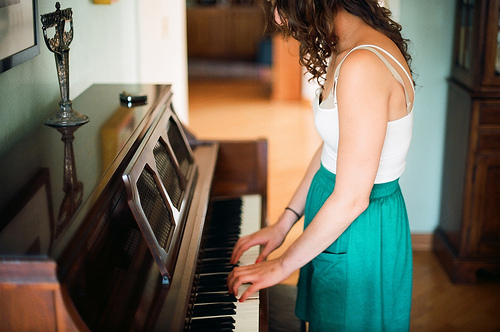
[[72, 256]]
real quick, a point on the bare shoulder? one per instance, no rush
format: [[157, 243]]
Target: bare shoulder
[[363, 67], [364, 88]]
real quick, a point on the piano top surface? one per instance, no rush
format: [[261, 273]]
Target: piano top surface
[[37, 217]]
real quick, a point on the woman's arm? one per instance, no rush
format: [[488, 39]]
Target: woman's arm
[[273, 236], [363, 97]]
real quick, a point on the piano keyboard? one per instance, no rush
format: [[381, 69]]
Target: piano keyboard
[[212, 308]]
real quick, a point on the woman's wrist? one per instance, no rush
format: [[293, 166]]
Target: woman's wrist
[[294, 211], [288, 219]]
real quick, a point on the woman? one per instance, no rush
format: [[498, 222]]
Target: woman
[[354, 255]]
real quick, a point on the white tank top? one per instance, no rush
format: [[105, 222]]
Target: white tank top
[[398, 134]]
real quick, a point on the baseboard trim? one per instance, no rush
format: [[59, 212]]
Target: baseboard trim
[[422, 242]]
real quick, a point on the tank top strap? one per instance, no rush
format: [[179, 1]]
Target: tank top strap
[[391, 68]]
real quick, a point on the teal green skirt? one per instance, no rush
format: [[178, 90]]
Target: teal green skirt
[[363, 280]]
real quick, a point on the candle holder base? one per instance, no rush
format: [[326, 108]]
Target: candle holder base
[[67, 118], [61, 120]]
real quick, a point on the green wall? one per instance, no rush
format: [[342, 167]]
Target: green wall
[[103, 50], [429, 26]]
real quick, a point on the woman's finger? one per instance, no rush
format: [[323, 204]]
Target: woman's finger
[[249, 291], [241, 246], [241, 275]]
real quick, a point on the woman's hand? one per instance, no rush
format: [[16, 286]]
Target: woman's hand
[[260, 275], [271, 237]]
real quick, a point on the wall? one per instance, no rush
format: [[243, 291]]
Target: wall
[[429, 26], [163, 48], [107, 47]]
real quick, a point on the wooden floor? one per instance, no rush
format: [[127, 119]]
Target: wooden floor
[[242, 110]]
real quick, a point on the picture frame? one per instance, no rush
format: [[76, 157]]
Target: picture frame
[[19, 40]]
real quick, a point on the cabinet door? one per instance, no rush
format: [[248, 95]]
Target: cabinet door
[[467, 48], [491, 74], [485, 222]]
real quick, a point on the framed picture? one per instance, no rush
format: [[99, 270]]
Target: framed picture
[[19, 40]]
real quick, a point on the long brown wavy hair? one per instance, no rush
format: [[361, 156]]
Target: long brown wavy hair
[[311, 22]]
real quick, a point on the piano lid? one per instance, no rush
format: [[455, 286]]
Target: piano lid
[[52, 178]]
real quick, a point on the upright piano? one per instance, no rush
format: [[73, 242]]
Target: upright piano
[[126, 222]]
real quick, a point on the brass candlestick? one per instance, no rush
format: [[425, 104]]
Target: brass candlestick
[[59, 45]]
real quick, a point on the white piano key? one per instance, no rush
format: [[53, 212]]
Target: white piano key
[[247, 316], [250, 214], [250, 223]]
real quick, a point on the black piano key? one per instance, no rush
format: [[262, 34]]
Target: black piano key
[[217, 276], [214, 324], [214, 297], [212, 288], [225, 236], [221, 322], [208, 280], [215, 260], [222, 263], [222, 248], [210, 307], [221, 235], [218, 253], [233, 225], [212, 279], [214, 309], [230, 223], [229, 230], [217, 268], [228, 328], [224, 328], [213, 243], [216, 248]]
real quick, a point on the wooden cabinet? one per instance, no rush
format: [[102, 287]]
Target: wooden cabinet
[[225, 32], [467, 239]]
